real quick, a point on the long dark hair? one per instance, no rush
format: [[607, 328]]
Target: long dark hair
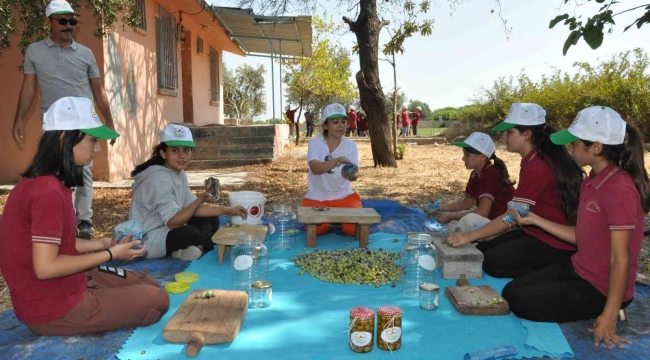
[[629, 156], [155, 159], [568, 175], [55, 157], [501, 167]]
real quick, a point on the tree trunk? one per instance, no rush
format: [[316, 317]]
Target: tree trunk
[[367, 27]]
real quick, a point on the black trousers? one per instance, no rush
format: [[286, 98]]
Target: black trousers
[[555, 294], [415, 130], [198, 232], [514, 254], [310, 129]]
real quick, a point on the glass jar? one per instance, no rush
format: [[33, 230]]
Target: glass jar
[[249, 263], [261, 294], [361, 329], [282, 228], [389, 328], [429, 296], [418, 263]]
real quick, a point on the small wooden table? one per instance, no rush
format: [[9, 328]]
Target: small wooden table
[[362, 217], [227, 236]]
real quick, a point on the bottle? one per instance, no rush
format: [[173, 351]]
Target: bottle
[[249, 263], [282, 228], [418, 263]]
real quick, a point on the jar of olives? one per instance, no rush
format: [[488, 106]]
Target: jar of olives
[[361, 329], [389, 328]]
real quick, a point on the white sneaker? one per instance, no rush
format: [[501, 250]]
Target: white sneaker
[[189, 254], [177, 254]]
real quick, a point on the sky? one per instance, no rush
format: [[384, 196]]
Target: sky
[[469, 49]]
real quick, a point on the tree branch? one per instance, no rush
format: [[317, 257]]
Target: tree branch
[[384, 23], [352, 24]]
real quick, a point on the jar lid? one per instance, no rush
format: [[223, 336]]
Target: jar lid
[[389, 310], [429, 287], [187, 277], [362, 312], [261, 284], [177, 287]]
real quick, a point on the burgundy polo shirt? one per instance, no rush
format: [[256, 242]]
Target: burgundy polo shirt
[[609, 202], [537, 188], [487, 183]]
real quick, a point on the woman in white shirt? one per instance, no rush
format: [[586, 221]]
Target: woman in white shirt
[[326, 156]]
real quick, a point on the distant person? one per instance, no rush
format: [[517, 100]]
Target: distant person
[[352, 122], [291, 117], [56, 283], [326, 156], [309, 122], [406, 121], [363, 124], [63, 67], [416, 119]]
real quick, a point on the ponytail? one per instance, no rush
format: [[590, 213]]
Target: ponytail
[[568, 175], [502, 169], [155, 159], [629, 157]]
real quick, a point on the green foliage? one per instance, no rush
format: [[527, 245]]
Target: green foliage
[[401, 150], [244, 96], [32, 14], [409, 25], [323, 78], [621, 82], [426, 110], [593, 30]]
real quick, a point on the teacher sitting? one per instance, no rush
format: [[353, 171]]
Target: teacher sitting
[[327, 185]]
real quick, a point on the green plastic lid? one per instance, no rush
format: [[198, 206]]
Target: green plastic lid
[[177, 287], [187, 277]]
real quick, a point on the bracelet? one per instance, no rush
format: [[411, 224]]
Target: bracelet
[[109, 253]]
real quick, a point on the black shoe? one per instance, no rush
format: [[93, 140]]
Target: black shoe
[[85, 230]]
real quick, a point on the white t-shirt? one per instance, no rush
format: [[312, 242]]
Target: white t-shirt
[[330, 186]]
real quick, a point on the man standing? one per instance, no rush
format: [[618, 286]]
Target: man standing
[[416, 119], [352, 121], [309, 121], [63, 68]]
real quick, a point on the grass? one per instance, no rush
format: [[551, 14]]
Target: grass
[[428, 132]]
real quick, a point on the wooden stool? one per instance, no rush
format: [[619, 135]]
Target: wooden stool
[[456, 261], [362, 217], [226, 237]]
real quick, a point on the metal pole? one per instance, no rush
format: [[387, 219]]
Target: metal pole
[[280, 74], [272, 72]]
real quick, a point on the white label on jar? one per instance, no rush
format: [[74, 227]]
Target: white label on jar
[[243, 262], [361, 338], [427, 262], [271, 229], [391, 335], [435, 301]]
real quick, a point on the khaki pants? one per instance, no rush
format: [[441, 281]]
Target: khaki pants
[[111, 302]]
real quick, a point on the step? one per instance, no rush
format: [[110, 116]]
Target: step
[[224, 131], [233, 153], [400, 140], [235, 141], [225, 163]]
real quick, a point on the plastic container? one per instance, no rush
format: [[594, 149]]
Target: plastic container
[[187, 277], [361, 329], [249, 263], [253, 202], [177, 287], [262, 294], [282, 228], [429, 296], [389, 328], [418, 263]]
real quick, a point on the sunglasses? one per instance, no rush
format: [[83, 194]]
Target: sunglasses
[[64, 22], [328, 158]]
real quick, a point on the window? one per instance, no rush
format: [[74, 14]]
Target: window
[[199, 45], [214, 75], [142, 10], [167, 50]]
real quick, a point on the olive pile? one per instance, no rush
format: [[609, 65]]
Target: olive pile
[[351, 266]]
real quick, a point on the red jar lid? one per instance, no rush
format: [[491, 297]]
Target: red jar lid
[[362, 312], [389, 310]]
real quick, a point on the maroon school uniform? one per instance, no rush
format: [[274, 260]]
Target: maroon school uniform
[[538, 189], [487, 183], [406, 121], [291, 115], [352, 120], [416, 118], [609, 201], [39, 210]]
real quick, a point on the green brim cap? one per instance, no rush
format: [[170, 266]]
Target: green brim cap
[[338, 116], [503, 127], [180, 143], [563, 137], [65, 12], [461, 144], [101, 132]]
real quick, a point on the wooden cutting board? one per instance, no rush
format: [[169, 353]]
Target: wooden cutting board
[[362, 216], [207, 321], [228, 235], [473, 300]]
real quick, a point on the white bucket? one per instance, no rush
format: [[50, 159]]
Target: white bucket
[[253, 202]]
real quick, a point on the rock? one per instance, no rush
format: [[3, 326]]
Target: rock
[[454, 131]]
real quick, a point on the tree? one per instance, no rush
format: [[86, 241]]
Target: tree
[[243, 96], [323, 78], [106, 13], [426, 110]]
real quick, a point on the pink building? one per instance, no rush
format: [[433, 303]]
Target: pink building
[[167, 70]]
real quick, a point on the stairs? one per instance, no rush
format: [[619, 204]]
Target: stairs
[[219, 146]]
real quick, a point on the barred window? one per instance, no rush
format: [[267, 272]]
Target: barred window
[[214, 75], [167, 50], [143, 12]]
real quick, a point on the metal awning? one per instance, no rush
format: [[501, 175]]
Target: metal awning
[[278, 36]]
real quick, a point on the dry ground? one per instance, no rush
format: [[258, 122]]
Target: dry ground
[[427, 173]]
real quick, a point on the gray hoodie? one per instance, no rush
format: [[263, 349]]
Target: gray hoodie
[[158, 194]]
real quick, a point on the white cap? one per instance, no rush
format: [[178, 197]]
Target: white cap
[[177, 135], [525, 114], [480, 142], [404, 106], [596, 123], [333, 111], [287, 107], [419, 108], [76, 113], [352, 107], [59, 7]]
